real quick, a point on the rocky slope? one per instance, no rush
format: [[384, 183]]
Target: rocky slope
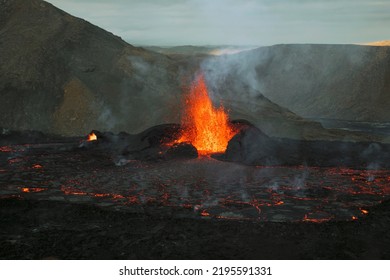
[[63, 75], [347, 82]]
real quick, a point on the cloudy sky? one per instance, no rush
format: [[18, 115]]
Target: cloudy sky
[[236, 22]]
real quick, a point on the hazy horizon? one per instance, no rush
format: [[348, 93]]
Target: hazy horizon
[[236, 23]]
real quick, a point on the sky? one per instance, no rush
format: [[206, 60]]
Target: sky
[[236, 22]]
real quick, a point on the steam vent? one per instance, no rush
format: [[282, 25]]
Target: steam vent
[[112, 151]]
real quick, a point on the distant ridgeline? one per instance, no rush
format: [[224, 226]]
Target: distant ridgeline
[[63, 75]]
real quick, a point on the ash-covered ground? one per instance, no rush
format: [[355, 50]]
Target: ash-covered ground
[[62, 201]]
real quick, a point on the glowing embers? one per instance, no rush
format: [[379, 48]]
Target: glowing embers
[[6, 149], [319, 217], [92, 137], [70, 190], [32, 190], [203, 188], [207, 128], [211, 189]]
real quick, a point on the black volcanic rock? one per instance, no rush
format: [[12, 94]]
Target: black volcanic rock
[[251, 145], [181, 150], [153, 144], [160, 134], [157, 143], [108, 142]]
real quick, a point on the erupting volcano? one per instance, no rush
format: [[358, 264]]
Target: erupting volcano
[[207, 128]]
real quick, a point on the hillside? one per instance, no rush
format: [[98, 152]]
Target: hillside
[[347, 82], [63, 75]]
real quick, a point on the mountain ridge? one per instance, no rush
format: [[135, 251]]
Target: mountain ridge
[[61, 74], [348, 82], [60, 70]]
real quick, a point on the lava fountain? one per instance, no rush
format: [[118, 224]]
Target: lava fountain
[[207, 128]]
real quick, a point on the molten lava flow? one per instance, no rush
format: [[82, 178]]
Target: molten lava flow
[[30, 190], [205, 127], [92, 137]]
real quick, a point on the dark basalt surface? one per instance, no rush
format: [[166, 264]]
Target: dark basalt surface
[[251, 146], [55, 230], [140, 197]]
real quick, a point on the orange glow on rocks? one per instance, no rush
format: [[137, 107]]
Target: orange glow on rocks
[[207, 128], [92, 137], [32, 190]]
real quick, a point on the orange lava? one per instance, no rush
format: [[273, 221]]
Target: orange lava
[[207, 128], [92, 137], [102, 194], [204, 213], [32, 190], [6, 149], [315, 220]]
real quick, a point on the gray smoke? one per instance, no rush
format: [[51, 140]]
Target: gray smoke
[[148, 94]]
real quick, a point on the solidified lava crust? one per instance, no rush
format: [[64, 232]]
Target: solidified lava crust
[[73, 199], [200, 187]]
